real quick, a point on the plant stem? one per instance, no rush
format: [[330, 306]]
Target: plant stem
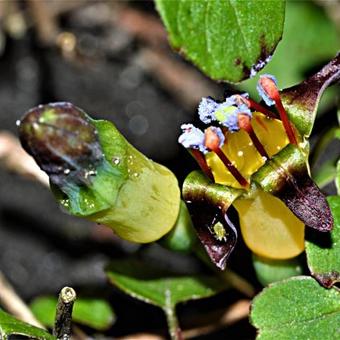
[[63, 319], [228, 276]]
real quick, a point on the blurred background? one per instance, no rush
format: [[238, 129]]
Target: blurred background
[[112, 59]]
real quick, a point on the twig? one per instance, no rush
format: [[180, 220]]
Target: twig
[[142, 336], [63, 319], [14, 304], [45, 21], [14, 158], [234, 313]]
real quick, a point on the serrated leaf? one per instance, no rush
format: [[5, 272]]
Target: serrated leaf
[[298, 308], [160, 288], [11, 326], [323, 254], [94, 313], [226, 39], [269, 271]]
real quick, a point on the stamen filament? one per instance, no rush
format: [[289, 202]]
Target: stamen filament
[[285, 121], [257, 107], [245, 124], [230, 167], [200, 159]]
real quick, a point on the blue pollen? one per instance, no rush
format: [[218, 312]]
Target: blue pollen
[[261, 91], [192, 137], [206, 110]]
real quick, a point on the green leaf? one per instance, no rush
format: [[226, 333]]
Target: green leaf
[[323, 254], [325, 174], [11, 326], [298, 308], [337, 178], [269, 271], [309, 39], [158, 287], [226, 39], [161, 288], [94, 313]]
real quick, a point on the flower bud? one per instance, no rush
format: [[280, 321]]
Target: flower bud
[[95, 173]]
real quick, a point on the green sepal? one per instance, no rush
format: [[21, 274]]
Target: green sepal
[[182, 237]]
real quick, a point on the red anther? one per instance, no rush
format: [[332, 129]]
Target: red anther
[[200, 159], [273, 93], [270, 88], [212, 140], [244, 123]]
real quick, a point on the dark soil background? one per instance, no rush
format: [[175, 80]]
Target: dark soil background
[[108, 75]]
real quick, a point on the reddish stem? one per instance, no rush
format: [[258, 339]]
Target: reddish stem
[[200, 159], [231, 167]]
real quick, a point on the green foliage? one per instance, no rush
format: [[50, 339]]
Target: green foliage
[[337, 178], [11, 326], [269, 271], [309, 39], [324, 259], [161, 288], [226, 39], [94, 313], [158, 287], [298, 308], [325, 174]]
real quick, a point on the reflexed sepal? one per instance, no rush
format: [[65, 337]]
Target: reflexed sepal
[[286, 177], [301, 101], [208, 204], [95, 173]]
